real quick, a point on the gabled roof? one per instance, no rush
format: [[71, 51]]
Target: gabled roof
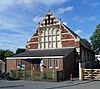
[[85, 46], [3, 61], [71, 31], [49, 19], [46, 53]]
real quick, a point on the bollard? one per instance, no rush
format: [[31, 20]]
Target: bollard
[[71, 77]]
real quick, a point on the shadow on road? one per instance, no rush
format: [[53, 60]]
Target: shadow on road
[[70, 85], [12, 86]]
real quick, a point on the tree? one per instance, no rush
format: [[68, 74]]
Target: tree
[[5, 53], [86, 43], [95, 39], [8, 53], [2, 54], [20, 50]]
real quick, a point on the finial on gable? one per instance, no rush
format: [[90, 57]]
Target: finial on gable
[[49, 12]]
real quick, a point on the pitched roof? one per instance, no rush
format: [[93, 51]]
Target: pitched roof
[[3, 60], [46, 52], [71, 31]]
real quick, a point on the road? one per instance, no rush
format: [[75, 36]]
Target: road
[[49, 85]]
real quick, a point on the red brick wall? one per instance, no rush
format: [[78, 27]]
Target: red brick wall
[[58, 69], [33, 46], [67, 36], [69, 43], [67, 39], [34, 40], [11, 65], [63, 30]]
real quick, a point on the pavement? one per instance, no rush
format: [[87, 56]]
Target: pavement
[[21, 84]]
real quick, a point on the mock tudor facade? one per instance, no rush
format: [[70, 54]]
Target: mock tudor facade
[[54, 46]]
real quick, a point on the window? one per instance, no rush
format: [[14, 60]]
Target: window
[[50, 61], [46, 45], [50, 31], [54, 44], [58, 37], [46, 38], [50, 38], [56, 63], [54, 38], [53, 63], [53, 32], [50, 44], [58, 44], [42, 45], [18, 62], [57, 32], [46, 32], [42, 33], [42, 39]]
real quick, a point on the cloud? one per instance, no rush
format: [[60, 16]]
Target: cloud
[[78, 32], [45, 2], [13, 41], [65, 23], [79, 19], [37, 19], [5, 4], [14, 22], [63, 10]]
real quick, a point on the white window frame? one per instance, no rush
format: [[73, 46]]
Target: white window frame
[[56, 60], [50, 65], [18, 61], [50, 35]]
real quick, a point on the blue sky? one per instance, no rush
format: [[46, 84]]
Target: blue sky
[[19, 18]]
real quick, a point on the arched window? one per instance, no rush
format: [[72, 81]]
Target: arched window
[[58, 32], [42, 33], [50, 31], [53, 32], [50, 38], [46, 32], [58, 35]]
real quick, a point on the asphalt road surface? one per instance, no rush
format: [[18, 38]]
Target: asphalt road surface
[[49, 85]]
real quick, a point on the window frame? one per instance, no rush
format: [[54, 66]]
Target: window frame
[[50, 63], [56, 62], [52, 35], [18, 61]]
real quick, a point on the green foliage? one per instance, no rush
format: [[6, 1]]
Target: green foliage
[[5, 53], [2, 52], [86, 43], [95, 39], [20, 50], [9, 53]]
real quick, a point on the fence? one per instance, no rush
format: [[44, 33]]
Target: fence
[[28, 75], [91, 74]]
